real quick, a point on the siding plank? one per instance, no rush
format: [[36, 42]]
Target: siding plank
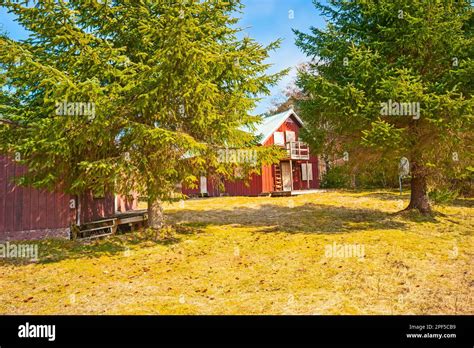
[[29, 209], [3, 193], [9, 197]]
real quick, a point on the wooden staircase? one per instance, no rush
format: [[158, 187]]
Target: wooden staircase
[[278, 181]]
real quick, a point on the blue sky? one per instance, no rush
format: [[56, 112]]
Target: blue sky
[[263, 20], [268, 20]]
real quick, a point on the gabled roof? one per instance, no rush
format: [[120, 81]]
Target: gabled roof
[[270, 125]]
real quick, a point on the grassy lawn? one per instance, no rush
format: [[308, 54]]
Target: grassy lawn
[[240, 255]]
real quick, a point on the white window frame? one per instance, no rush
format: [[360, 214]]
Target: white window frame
[[290, 136], [278, 138], [306, 170], [203, 185]]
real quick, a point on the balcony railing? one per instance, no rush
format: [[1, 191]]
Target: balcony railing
[[297, 150]]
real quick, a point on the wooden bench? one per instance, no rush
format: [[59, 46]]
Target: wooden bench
[[97, 229]]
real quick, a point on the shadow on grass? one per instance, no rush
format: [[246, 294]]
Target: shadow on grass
[[55, 250], [414, 215], [395, 196], [388, 196], [462, 203], [307, 218], [267, 218]]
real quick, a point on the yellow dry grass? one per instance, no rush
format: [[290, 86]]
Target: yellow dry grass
[[241, 255]]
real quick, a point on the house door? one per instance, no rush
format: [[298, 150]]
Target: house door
[[203, 185], [286, 175]]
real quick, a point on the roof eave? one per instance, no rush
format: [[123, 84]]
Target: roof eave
[[290, 113]]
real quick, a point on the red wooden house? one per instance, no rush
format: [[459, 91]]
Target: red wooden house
[[28, 213], [296, 172]]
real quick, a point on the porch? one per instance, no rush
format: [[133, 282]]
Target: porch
[[295, 192], [128, 221], [297, 150], [295, 173]]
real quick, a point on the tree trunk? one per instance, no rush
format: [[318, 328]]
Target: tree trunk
[[419, 193], [155, 214]]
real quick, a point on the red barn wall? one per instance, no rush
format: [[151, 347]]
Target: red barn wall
[[28, 213], [289, 125], [264, 183], [212, 188], [268, 178], [96, 208], [190, 191], [232, 188], [241, 188], [269, 174], [298, 183]]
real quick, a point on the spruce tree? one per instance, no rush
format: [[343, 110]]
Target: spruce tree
[[391, 79], [128, 95]]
